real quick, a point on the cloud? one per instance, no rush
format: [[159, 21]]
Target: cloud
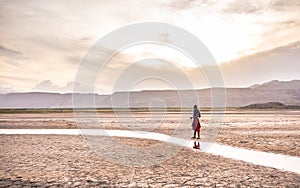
[[49, 86], [285, 4], [179, 5], [46, 40], [277, 64], [182, 5], [10, 53], [261, 6], [147, 74], [281, 63], [46, 85], [242, 7], [296, 46], [4, 90], [75, 60]]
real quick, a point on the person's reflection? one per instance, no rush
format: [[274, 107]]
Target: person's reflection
[[196, 145]]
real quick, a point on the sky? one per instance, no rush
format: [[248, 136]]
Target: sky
[[43, 42]]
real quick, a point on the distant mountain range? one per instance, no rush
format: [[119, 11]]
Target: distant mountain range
[[270, 105], [287, 93]]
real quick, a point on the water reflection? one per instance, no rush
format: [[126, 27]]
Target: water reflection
[[196, 145]]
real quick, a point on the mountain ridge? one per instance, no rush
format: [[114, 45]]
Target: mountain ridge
[[285, 92]]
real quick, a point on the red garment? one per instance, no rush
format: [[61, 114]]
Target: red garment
[[197, 123]]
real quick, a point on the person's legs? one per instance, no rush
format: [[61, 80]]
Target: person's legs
[[198, 130], [199, 134], [195, 133]]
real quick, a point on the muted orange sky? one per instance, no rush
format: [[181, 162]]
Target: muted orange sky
[[42, 42]]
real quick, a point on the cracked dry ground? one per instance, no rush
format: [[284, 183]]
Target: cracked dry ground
[[275, 131], [68, 161]]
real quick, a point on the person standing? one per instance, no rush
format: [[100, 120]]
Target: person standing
[[196, 122]]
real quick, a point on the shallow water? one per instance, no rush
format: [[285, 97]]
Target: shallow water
[[282, 162]]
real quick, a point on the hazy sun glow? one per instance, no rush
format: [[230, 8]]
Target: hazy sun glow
[[42, 43], [157, 51]]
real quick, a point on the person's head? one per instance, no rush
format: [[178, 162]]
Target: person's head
[[195, 107]]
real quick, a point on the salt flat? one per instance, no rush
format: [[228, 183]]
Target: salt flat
[[282, 162], [62, 160]]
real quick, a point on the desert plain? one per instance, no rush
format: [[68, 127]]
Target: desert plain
[[73, 161]]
